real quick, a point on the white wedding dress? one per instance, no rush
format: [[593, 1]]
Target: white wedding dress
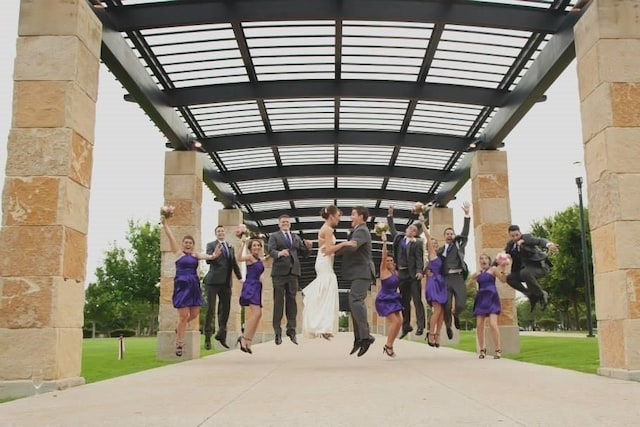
[[320, 313]]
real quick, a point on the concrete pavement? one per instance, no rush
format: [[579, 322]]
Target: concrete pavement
[[318, 384]]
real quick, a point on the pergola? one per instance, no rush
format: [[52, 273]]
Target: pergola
[[303, 104]]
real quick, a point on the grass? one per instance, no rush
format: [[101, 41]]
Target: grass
[[578, 354], [100, 357]]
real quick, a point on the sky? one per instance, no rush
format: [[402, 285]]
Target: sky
[[128, 158]]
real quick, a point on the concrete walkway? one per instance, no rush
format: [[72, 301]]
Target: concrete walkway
[[318, 384]]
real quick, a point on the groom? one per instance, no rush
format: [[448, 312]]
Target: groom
[[357, 266]]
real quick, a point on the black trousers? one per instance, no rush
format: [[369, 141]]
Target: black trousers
[[223, 294], [529, 274], [411, 289], [456, 288], [285, 289]]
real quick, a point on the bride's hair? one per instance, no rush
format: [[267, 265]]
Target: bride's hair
[[328, 211]]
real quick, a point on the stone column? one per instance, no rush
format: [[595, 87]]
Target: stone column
[[43, 240], [183, 190], [491, 220], [608, 51], [439, 220]]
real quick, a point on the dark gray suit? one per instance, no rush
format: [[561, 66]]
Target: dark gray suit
[[410, 287], [452, 262], [357, 267], [285, 273], [529, 264], [218, 284]]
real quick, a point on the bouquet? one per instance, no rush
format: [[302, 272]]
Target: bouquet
[[381, 228], [167, 211], [421, 208], [502, 259], [241, 231]]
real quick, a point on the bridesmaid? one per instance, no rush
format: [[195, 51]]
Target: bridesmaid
[[487, 302], [251, 294], [435, 290], [187, 296], [388, 301]]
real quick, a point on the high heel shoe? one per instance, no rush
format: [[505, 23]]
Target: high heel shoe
[[244, 349], [179, 349], [483, 353], [436, 340], [429, 342], [498, 354], [388, 351]]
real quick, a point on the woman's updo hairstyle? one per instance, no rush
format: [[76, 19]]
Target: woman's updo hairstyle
[[328, 211]]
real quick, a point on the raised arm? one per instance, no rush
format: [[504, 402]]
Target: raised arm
[[466, 207], [392, 226], [383, 260], [249, 259], [175, 248]]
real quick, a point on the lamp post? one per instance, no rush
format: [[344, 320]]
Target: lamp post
[[585, 259]]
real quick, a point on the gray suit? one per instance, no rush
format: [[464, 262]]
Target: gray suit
[[529, 264], [285, 273], [357, 266], [218, 284], [410, 287]]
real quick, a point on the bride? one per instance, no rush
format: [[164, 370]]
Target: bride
[[320, 313]]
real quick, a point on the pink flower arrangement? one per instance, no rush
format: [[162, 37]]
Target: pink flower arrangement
[[421, 208], [381, 228], [502, 259], [167, 211], [242, 230]]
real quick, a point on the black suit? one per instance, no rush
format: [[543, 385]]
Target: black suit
[[218, 284], [410, 287], [455, 271], [529, 264]]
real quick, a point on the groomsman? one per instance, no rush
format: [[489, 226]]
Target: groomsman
[[529, 263], [455, 270], [408, 252], [285, 248], [218, 285]]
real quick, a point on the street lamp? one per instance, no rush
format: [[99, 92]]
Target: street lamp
[[585, 259]]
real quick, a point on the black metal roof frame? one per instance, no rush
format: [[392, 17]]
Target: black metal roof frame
[[299, 104]]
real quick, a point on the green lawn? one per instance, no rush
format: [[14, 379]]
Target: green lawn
[[100, 357], [578, 354]]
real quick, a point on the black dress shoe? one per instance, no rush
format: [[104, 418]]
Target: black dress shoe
[[207, 343], [292, 337], [533, 301], [405, 332], [419, 331], [222, 341], [356, 347], [449, 332], [364, 345], [456, 322], [278, 339]]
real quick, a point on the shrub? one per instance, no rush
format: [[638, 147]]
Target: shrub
[[548, 324], [124, 332]]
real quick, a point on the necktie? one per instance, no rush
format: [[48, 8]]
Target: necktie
[[225, 249], [288, 238], [446, 250]]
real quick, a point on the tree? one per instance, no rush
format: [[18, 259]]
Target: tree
[[565, 282], [125, 292]]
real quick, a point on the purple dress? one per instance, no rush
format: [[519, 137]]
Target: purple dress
[[186, 284], [388, 300], [487, 299], [436, 289], [251, 293]]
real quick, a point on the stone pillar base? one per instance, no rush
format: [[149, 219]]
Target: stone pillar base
[[620, 374], [24, 388], [510, 337], [166, 346]]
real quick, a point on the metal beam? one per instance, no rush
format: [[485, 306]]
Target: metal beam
[[333, 170], [329, 88], [127, 68], [329, 137], [315, 211], [458, 12], [552, 61], [331, 193]]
